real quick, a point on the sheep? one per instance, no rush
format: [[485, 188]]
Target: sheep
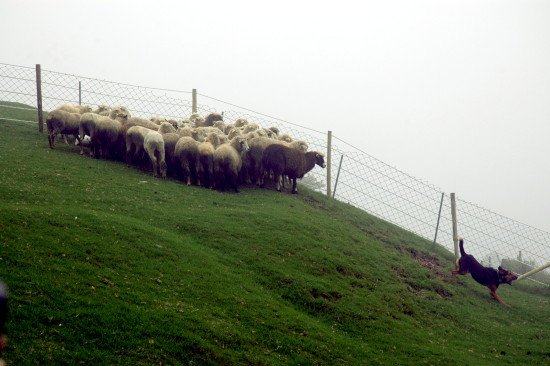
[[219, 125], [253, 159], [115, 111], [197, 135], [87, 127], [102, 110], [234, 133], [281, 159], [275, 130], [186, 156], [205, 167], [183, 123], [241, 122], [228, 162], [250, 127], [228, 128], [170, 141], [196, 119], [74, 108], [153, 144], [134, 138], [285, 137], [143, 123], [60, 121], [157, 120], [210, 119], [298, 144], [166, 127], [107, 137]]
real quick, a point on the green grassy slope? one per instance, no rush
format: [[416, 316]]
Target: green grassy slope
[[107, 265]]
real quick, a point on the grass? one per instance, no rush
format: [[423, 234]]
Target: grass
[[107, 265]]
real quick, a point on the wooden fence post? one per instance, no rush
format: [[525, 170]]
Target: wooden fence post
[[39, 98], [194, 99], [329, 161], [455, 226]]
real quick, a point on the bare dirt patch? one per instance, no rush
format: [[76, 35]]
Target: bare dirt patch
[[428, 261]]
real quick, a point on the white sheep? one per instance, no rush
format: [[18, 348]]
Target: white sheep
[[219, 125], [170, 141], [102, 110], [87, 128], [186, 156], [196, 119], [153, 144], [241, 122], [228, 163], [250, 127], [107, 137], [119, 110], [196, 134], [285, 137], [62, 122], [134, 138], [205, 167], [137, 121], [74, 108], [166, 127], [234, 133], [157, 120]]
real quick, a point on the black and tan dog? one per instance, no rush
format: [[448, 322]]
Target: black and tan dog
[[486, 276]]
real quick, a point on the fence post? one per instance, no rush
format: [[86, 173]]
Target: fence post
[[337, 176], [79, 93], [455, 226], [194, 99], [329, 161], [438, 219], [39, 98]]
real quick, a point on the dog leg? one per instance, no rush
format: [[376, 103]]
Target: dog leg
[[494, 295]]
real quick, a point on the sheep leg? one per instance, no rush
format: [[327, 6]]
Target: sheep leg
[[279, 178], [65, 139], [129, 153], [52, 135], [294, 189]]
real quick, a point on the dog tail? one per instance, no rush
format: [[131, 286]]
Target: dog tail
[[461, 244]]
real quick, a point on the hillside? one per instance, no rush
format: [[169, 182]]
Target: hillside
[[107, 265]]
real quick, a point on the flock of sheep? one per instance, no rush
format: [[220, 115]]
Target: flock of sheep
[[204, 151]]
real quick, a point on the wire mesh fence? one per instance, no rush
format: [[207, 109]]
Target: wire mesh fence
[[363, 181]]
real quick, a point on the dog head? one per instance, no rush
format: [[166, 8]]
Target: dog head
[[506, 276]]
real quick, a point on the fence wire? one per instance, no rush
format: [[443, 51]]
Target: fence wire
[[364, 181]]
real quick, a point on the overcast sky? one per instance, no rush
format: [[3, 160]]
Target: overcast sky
[[456, 93]]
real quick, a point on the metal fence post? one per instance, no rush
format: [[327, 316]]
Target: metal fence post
[[194, 101], [438, 218], [39, 98], [329, 161], [79, 93], [337, 176], [455, 226]]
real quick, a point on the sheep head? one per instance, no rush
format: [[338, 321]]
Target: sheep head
[[240, 144], [320, 160]]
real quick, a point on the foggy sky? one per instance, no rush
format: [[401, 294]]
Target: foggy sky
[[456, 93]]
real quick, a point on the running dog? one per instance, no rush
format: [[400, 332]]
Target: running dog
[[486, 276]]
